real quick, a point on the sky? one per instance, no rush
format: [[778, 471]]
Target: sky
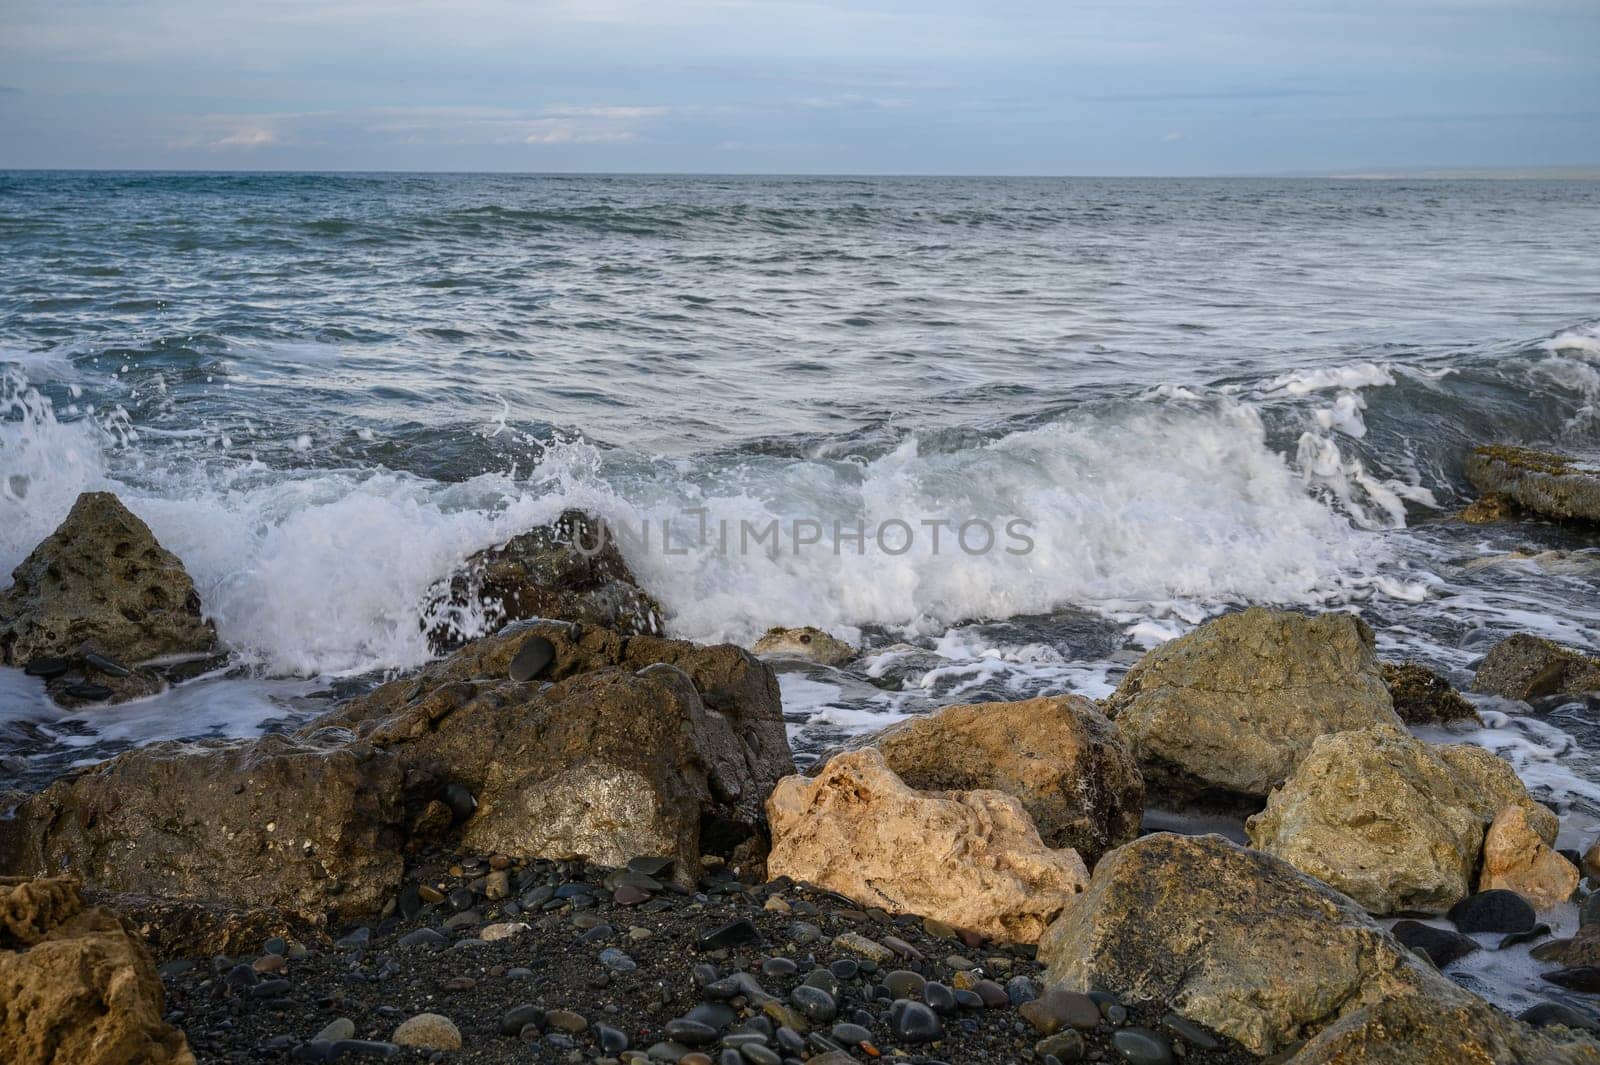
[[1111, 87]]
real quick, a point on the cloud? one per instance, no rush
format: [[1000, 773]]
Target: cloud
[[1216, 94], [851, 101], [247, 137], [1173, 136]]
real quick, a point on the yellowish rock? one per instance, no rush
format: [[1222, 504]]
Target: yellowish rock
[[807, 642], [972, 859], [1515, 858]]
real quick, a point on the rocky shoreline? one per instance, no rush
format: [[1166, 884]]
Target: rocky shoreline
[[574, 840]]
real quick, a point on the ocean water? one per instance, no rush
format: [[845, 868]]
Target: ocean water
[[324, 391]]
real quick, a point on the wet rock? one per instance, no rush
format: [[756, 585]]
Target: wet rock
[[638, 746], [1232, 707], [1547, 1014], [76, 986], [1493, 911], [807, 643], [913, 1022], [1442, 945], [1517, 859], [1141, 1046], [1584, 978], [1395, 823], [569, 570], [225, 821], [1423, 697], [102, 596], [1528, 667], [1059, 756], [1234, 939], [1552, 485], [971, 858], [428, 1031]]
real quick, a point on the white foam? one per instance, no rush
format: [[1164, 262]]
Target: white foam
[[1342, 378]]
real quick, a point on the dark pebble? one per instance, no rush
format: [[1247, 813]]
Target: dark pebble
[[992, 994], [515, 1019], [89, 693], [1063, 1046], [1589, 912], [109, 666], [1538, 931], [818, 1006], [1585, 978], [363, 1048], [774, 968], [1549, 1013], [612, 1040], [683, 1030], [649, 866], [48, 668], [913, 1022], [1190, 1032], [270, 989], [423, 937], [1497, 910], [735, 933], [851, 1035], [460, 801], [1141, 1046], [461, 899], [756, 1054], [713, 1013], [939, 998], [532, 659], [1443, 945], [845, 969]]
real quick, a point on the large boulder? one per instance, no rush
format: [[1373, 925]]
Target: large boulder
[[1231, 938], [615, 747], [1059, 756], [101, 610], [1395, 823], [971, 858], [1553, 485], [307, 827], [1442, 1029], [76, 987], [569, 570], [1517, 858], [1423, 697], [1230, 708], [1529, 667]]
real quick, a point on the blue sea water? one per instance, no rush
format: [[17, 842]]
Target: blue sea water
[[324, 391]]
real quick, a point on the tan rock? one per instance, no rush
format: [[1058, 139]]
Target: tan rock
[[972, 859], [102, 594], [807, 642], [76, 987], [1234, 939], [1232, 707], [1529, 667], [1059, 756], [1563, 486], [428, 1031], [1395, 823], [1515, 858]]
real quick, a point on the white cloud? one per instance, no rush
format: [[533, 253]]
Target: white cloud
[[1173, 136]]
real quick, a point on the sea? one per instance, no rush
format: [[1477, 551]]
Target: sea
[[1003, 434]]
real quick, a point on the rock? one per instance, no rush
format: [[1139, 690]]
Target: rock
[[1422, 697], [1488, 509], [1229, 938], [1497, 910], [1441, 945], [1395, 823], [428, 1031], [638, 746], [1059, 1008], [96, 602], [1527, 667], [225, 821], [913, 1022], [1582, 949], [1229, 709], [811, 644], [1559, 486], [972, 858], [76, 985], [569, 570], [1059, 756], [1141, 1046], [188, 928], [1450, 1029], [1516, 858]]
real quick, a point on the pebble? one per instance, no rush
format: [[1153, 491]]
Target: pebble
[[939, 998], [270, 963], [1063, 1046], [497, 885], [428, 1031], [818, 1006], [532, 659], [1497, 910], [459, 983], [460, 801], [778, 967], [991, 994], [47, 668], [857, 943], [612, 1040], [694, 1033], [566, 1021], [756, 1054], [503, 930], [1585, 978], [1538, 931], [903, 983], [1548, 1013], [1190, 1032], [851, 1035], [1589, 912], [1443, 945], [1059, 1009], [336, 1030], [1020, 989], [430, 895], [628, 895], [276, 945], [735, 933], [1141, 1046], [515, 1019], [914, 1022], [617, 961]]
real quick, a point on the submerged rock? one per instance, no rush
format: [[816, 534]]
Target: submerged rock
[[809, 643], [569, 570], [971, 859], [1517, 858], [1528, 667], [1423, 697], [1395, 823], [1550, 484], [98, 605], [632, 746], [1233, 939], [1059, 756], [76, 987], [308, 827], [1232, 707]]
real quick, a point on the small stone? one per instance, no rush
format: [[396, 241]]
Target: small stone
[[913, 1022], [735, 933], [756, 1054], [851, 1035], [1020, 989], [1443, 946], [612, 1040], [1553, 1013], [459, 983], [903, 983], [1063, 1046], [430, 895], [1538, 931], [503, 930], [337, 1029], [939, 998], [276, 945], [1058, 1009], [497, 885], [566, 1021], [515, 1019], [1497, 910], [992, 995], [617, 961], [817, 1004], [47, 668], [902, 948], [89, 693], [857, 943], [775, 904], [629, 895], [1585, 978], [461, 803], [1141, 1046], [423, 937], [1190, 1032], [532, 659], [428, 1031], [694, 1033], [778, 967], [270, 963]]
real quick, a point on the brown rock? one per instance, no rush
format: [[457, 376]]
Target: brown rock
[[639, 746], [1229, 709], [224, 821], [1422, 697], [1231, 938], [183, 928], [1528, 667], [1395, 823], [809, 643], [972, 859], [569, 570], [1059, 756], [1554, 485], [76, 988], [103, 594], [1516, 858], [1488, 509]]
